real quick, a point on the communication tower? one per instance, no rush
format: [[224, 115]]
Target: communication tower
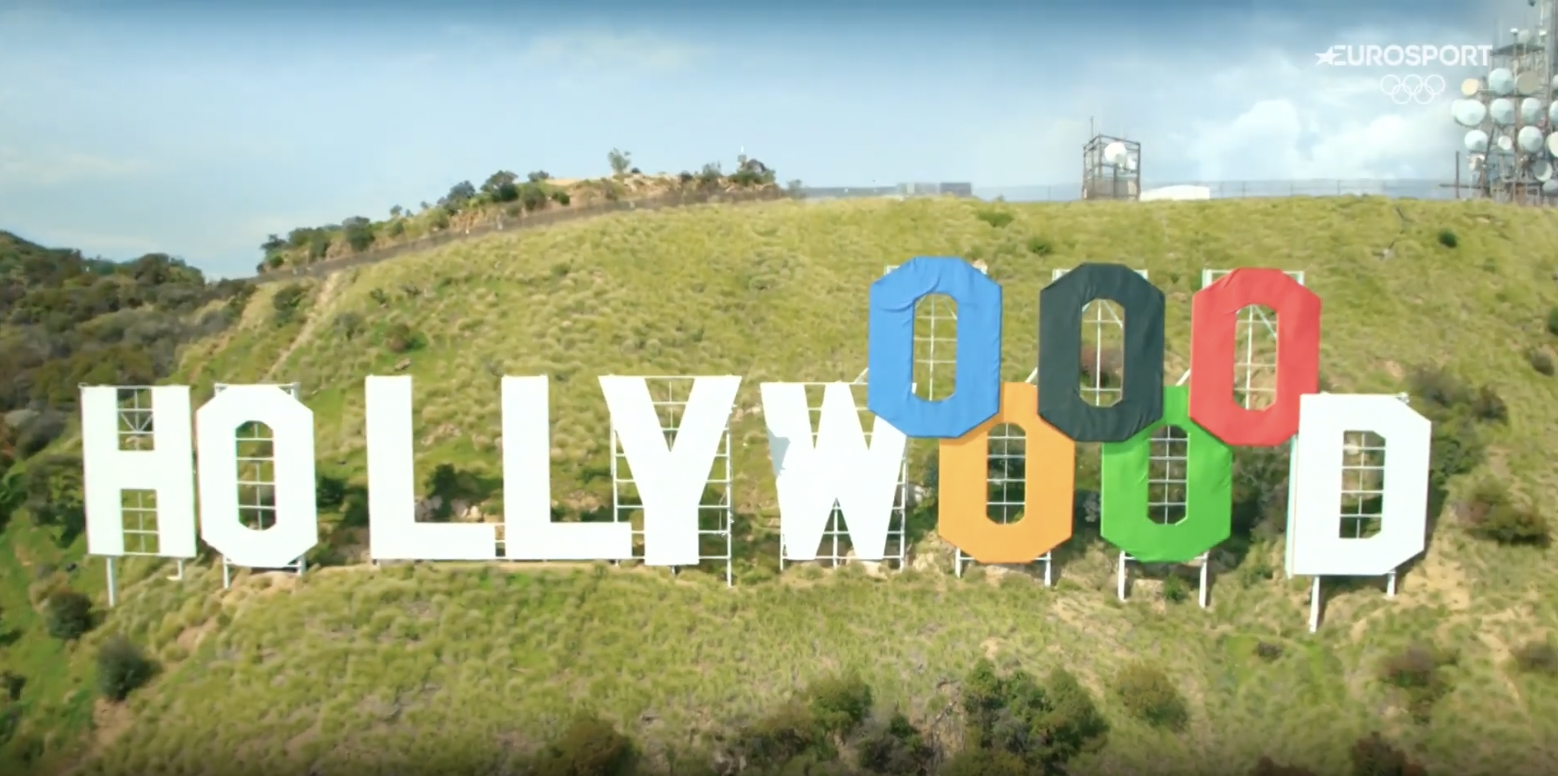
[[1111, 168], [1510, 118]]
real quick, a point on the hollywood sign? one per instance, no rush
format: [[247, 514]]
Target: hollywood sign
[[835, 465]]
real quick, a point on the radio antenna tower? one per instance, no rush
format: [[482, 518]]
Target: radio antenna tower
[[1510, 116]]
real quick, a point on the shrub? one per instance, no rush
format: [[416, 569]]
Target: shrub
[[533, 197], [1491, 515], [397, 228], [839, 704], [122, 669], [1039, 246], [68, 615], [984, 762], [1265, 767], [1448, 239], [1456, 447], [329, 492], [782, 735], [1268, 651], [561, 198], [402, 339], [1552, 321], [1536, 657], [1417, 672], [349, 324], [1150, 696], [1013, 716], [998, 219], [1176, 589], [588, 747], [286, 302], [1374, 756], [894, 746], [1489, 406], [1541, 361]]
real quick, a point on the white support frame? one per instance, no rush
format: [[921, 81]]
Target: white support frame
[[1361, 491], [898, 523], [625, 503], [936, 311], [135, 421], [300, 565]]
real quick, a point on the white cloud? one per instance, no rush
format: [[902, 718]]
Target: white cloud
[[55, 167], [1263, 118]]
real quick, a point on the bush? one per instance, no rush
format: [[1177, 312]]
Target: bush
[[588, 747], [1176, 589], [839, 704], [122, 669], [329, 492], [1013, 716], [401, 339], [998, 219], [1491, 515], [349, 324], [533, 197], [1265, 767], [1448, 239], [1417, 672], [1150, 696], [1039, 246], [1536, 657], [1541, 361], [1374, 756], [894, 747], [286, 302], [1488, 406], [561, 197], [1268, 651], [68, 615]]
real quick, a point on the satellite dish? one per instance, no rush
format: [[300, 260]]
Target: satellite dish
[[1523, 37], [1471, 86], [1115, 153], [1528, 82], [1502, 111], [1552, 113], [1504, 143], [1542, 170], [1530, 139], [1470, 113], [1477, 141], [1550, 187], [1552, 144], [1501, 82], [1530, 110]]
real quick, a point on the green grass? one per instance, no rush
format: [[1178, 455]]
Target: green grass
[[347, 664]]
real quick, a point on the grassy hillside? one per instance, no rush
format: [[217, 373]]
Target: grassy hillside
[[470, 667]]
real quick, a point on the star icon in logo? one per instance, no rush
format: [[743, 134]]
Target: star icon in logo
[[1328, 57]]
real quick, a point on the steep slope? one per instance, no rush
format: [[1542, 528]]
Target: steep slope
[[356, 667]]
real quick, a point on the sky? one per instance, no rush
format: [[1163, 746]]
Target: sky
[[197, 128]]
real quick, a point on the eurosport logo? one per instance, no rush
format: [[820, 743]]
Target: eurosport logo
[[1410, 88], [1414, 55]]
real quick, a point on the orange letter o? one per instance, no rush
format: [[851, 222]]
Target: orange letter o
[[1049, 471]]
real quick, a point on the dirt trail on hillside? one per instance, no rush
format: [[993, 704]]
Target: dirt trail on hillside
[[327, 293]]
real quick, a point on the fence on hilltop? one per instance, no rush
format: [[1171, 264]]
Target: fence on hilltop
[[506, 222], [1057, 192]]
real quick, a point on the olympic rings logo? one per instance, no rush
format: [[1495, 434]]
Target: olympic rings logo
[[1412, 88]]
